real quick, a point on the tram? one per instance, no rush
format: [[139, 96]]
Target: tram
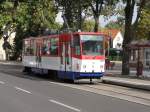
[[71, 56]]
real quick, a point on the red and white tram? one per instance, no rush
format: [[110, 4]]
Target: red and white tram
[[71, 55]]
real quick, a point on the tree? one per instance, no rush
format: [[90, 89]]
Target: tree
[[102, 7], [27, 18], [114, 25], [143, 28], [77, 10], [6, 22], [96, 6], [130, 30], [88, 25], [73, 11], [32, 19]]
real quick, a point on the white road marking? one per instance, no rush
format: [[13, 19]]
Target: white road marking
[[1, 82], [64, 105], [23, 90]]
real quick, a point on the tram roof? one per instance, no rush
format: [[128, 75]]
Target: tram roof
[[74, 33]]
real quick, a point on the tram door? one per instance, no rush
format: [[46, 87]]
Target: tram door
[[66, 64], [38, 54], [68, 57]]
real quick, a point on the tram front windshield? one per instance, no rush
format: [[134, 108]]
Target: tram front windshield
[[92, 45]]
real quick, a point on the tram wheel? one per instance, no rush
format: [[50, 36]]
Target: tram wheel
[[27, 69]]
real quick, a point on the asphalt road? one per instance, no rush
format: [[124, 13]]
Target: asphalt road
[[25, 93]]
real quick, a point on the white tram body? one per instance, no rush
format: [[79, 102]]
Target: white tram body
[[71, 55]]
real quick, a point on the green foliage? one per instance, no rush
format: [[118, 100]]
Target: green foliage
[[75, 12], [28, 18], [114, 54], [5, 14], [88, 25], [38, 15], [32, 19], [143, 30], [119, 24], [102, 7], [113, 25]]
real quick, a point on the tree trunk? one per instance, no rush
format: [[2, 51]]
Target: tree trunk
[[79, 16], [126, 56], [127, 36], [96, 11], [96, 27], [7, 56]]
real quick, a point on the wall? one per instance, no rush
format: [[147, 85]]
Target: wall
[[10, 40], [118, 40]]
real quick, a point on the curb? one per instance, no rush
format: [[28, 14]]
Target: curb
[[11, 63], [125, 83]]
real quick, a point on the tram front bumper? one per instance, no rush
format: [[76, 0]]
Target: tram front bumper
[[88, 75], [79, 75]]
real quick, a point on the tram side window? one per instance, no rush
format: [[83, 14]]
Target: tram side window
[[32, 47], [54, 46], [77, 50], [46, 47], [27, 47]]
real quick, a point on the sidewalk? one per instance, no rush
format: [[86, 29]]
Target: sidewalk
[[11, 62], [114, 77], [127, 82]]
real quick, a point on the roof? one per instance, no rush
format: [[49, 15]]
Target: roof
[[111, 32], [140, 43]]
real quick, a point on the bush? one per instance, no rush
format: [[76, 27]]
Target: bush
[[114, 54]]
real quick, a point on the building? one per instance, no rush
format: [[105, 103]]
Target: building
[[140, 51], [115, 38], [2, 51]]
